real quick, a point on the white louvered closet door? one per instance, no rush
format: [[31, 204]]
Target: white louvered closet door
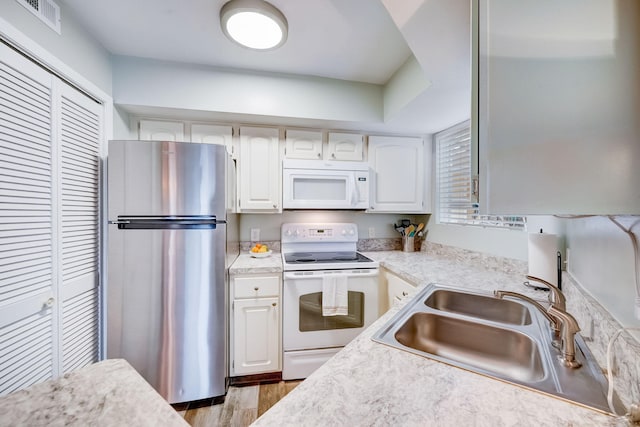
[[79, 162], [27, 305], [49, 220]]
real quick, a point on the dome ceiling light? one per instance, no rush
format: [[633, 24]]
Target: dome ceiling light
[[255, 24]]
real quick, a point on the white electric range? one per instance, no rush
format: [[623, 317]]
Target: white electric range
[[311, 254]]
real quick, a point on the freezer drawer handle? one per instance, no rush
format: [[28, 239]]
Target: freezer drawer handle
[[171, 223]]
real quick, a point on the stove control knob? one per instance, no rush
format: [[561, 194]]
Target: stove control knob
[[297, 232], [344, 232], [287, 233], [351, 232]]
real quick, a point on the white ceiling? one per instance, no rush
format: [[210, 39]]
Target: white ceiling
[[355, 40], [343, 39]]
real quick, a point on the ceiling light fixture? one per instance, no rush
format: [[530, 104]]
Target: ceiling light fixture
[[255, 24]]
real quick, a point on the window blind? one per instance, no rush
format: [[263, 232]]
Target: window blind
[[456, 202]]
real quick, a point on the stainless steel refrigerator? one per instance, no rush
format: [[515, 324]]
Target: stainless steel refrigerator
[[172, 236]]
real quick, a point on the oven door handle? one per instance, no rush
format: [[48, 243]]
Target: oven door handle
[[306, 275]]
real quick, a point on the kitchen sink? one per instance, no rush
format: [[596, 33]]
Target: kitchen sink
[[507, 340], [480, 306], [502, 351]]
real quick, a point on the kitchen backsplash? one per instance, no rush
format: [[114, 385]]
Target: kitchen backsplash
[[598, 326], [365, 245], [490, 262]]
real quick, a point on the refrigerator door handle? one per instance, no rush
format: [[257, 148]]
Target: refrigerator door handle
[[167, 222]]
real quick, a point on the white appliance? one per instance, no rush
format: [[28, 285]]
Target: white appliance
[[311, 253], [320, 184]]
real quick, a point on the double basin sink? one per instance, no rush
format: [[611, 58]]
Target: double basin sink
[[504, 339]]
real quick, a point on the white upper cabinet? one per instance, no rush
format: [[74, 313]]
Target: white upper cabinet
[[401, 168], [213, 134], [259, 170], [345, 146], [303, 144], [308, 144], [155, 130], [558, 115]]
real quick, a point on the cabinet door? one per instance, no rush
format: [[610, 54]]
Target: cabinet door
[[397, 289], [558, 115], [398, 166], [256, 336], [259, 173], [213, 134], [303, 144], [345, 146], [153, 130]]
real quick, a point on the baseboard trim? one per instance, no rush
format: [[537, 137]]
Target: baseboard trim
[[269, 377]]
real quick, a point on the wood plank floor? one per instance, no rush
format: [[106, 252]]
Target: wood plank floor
[[241, 407]]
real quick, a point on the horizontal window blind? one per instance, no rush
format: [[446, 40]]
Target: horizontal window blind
[[456, 202]]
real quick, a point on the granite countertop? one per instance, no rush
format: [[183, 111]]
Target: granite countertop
[[107, 393], [371, 384], [246, 264]]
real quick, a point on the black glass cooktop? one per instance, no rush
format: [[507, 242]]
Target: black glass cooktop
[[324, 257]]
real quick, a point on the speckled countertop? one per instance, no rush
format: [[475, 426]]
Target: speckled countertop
[[108, 393], [370, 384], [246, 264]]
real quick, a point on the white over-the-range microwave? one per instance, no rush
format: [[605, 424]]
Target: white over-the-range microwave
[[325, 184]]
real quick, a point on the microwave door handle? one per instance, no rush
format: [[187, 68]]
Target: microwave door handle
[[354, 191]]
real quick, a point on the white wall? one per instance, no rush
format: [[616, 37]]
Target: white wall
[[269, 224], [403, 87], [74, 47], [142, 82], [494, 241], [599, 254], [122, 125], [601, 258]]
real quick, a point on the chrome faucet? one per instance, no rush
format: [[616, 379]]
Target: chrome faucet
[[558, 300], [554, 323], [563, 324]]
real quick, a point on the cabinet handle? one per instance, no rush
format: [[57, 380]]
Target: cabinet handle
[[274, 304], [49, 303], [319, 155], [404, 294], [256, 288], [333, 155], [275, 206]]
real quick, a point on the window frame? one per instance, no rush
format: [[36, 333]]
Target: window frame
[[474, 218]]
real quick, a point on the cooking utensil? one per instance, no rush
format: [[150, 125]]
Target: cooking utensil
[[410, 230], [420, 227]]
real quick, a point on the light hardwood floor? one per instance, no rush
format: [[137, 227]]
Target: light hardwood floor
[[241, 407]]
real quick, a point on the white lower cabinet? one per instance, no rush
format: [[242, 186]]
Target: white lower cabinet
[[395, 289], [255, 338]]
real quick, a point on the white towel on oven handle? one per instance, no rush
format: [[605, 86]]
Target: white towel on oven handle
[[335, 295]]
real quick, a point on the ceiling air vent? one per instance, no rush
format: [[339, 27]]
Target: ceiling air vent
[[47, 10]]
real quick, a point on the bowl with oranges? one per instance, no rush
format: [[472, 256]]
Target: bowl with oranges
[[260, 251]]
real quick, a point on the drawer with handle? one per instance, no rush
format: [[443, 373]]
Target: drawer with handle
[[256, 286]]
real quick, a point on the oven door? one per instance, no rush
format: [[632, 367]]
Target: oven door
[[304, 326]]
